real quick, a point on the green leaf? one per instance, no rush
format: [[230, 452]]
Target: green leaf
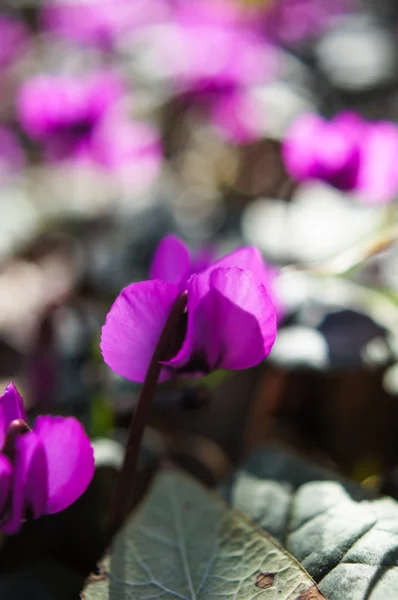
[[185, 543], [346, 540]]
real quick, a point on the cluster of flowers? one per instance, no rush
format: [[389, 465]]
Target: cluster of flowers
[[211, 52], [83, 117], [229, 323]]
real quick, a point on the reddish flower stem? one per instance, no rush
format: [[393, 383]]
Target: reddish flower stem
[[123, 495]]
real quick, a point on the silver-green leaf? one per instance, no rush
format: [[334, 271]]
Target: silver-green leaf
[[185, 544], [346, 540]]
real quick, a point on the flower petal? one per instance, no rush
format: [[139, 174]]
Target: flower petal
[[199, 285], [5, 481], [70, 460], [133, 327], [192, 346], [172, 261], [29, 486], [315, 148], [245, 319], [240, 319], [11, 407], [231, 321], [248, 259]]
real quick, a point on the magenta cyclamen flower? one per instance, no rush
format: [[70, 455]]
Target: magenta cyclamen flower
[[62, 112], [346, 152], [230, 322], [43, 470]]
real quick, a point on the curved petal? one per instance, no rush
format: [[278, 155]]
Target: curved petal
[[11, 407], [198, 285], [172, 262], [70, 460], [133, 326], [29, 485], [231, 321], [248, 259], [241, 320], [5, 482]]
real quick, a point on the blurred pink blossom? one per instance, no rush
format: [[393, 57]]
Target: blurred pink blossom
[[346, 152], [82, 119], [291, 21], [128, 148], [118, 141], [213, 59], [61, 111]]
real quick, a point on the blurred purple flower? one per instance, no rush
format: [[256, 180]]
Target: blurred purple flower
[[214, 59], [14, 39], [80, 119], [43, 470], [12, 157], [100, 23], [291, 21], [230, 322], [118, 142], [346, 152], [62, 112]]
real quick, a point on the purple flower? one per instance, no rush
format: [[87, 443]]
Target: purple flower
[[100, 23], [291, 21], [346, 152], [119, 144], [62, 112], [230, 322], [43, 470], [216, 75]]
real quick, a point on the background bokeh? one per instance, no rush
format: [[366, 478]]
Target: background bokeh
[[124, 120]]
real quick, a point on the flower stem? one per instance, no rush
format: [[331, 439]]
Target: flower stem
[[123, 496]]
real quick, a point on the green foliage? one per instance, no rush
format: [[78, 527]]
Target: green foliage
[[185, 543], [346, 540]]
